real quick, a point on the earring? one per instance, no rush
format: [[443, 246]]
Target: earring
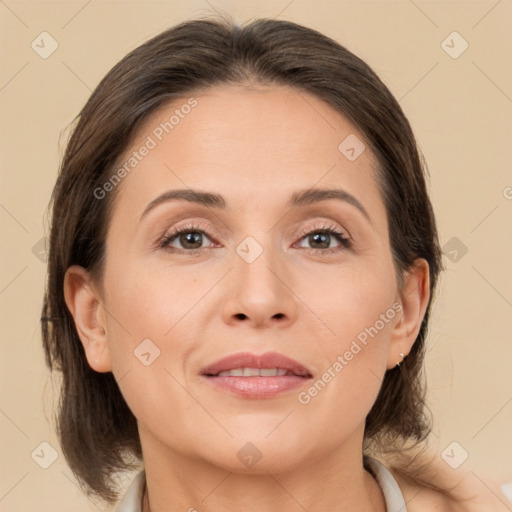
[[401, 360]]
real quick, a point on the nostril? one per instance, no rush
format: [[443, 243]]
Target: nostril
[[243, 316]]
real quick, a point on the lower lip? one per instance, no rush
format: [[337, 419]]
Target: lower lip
[[257, 387]]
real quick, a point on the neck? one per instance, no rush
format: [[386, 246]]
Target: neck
[[336, 482]]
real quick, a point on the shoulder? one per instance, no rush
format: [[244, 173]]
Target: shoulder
[[470, 493], [434, 486]]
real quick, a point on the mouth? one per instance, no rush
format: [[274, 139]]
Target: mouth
[[249, 375]]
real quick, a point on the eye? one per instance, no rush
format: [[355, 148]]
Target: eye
[[189, 237], [321, 237]]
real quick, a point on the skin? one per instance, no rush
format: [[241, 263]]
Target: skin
[[255, 146]]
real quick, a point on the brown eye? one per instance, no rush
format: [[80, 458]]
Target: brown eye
[[321, 240], [188, 238]]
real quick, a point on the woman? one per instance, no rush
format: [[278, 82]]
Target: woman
[[242, 260]]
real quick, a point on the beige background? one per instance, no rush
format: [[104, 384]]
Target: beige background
[[460, 109]]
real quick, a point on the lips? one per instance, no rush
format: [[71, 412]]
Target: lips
[[247, 365], [250, 376]]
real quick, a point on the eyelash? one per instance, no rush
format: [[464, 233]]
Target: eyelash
[[344, 241]]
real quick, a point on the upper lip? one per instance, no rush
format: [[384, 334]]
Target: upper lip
[[248, 360]]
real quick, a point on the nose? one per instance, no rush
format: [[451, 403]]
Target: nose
[[260, 293]]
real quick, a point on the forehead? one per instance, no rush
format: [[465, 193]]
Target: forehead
[[260, 143]]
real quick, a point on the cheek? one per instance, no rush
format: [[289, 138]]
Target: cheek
[[152, 302], [156, 321], [151, 334], [360, 308], [354, 363], [354, 299]]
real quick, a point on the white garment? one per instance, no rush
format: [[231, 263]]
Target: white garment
[[133, 497], [392, 494]]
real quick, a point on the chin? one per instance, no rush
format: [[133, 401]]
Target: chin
[[259, 454]]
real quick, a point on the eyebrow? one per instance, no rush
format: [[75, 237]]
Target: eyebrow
[[301, 198]]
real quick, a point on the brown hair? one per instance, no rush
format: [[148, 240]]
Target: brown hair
[[97, 431]]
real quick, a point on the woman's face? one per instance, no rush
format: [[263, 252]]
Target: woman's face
[[268, 276]]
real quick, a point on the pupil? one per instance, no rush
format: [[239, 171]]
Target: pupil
[[192, 238], [321, 238]]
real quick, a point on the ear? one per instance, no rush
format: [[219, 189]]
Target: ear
[[414, 296], [83, 301]]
